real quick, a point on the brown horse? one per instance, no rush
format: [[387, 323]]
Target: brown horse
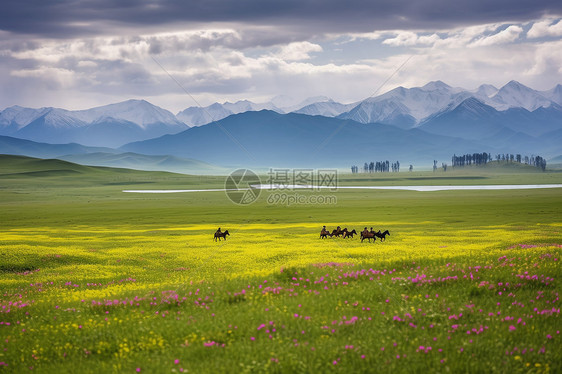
[[383, 235], [324, 233], [219, 235], [337, 232], [368, 235], [349, 234]]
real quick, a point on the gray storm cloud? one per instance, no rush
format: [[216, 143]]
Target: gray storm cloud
[[65, 19]]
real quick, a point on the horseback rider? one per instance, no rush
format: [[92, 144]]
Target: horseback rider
[[218, 231]]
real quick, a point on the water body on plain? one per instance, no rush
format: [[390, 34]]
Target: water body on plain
[[407, 188]]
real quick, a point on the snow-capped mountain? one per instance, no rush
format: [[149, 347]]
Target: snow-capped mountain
[[328, 108], [198, 116], [317, 105], [388, 112], [109, 126], [486, 90], [16, 117], [248, 106], [516, 95], [140, 112], [404, 107], [409, 107], [554, 94]]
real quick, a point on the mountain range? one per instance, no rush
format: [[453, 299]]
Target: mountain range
[[402, 107], [297, 140], [108, 126], [417, 124], [99, 156]]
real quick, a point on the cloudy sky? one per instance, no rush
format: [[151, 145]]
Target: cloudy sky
[[176, 54]]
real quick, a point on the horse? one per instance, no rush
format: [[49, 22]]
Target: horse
[[349, 234], [368, 235], [383, 235], [337, 232], [324, 233], [219, 235]]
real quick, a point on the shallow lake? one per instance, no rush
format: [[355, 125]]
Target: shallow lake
[[408, 188]]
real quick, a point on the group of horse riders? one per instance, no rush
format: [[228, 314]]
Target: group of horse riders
[[345, 233]]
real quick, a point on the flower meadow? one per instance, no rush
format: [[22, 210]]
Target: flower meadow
[[274, 298]]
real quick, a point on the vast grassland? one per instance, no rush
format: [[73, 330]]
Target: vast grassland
[[96, 280]]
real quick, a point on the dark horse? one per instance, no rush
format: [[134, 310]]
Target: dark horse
[[337, 232], [368, 235], [324, 233], [383, 235], [349, 234], [219, 235]]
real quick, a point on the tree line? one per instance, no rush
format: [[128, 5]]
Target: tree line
[[471, 159], [377, 167], [484, 158]]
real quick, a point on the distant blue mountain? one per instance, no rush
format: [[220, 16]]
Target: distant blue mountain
[[98, 156], [22, 147], [472, 119], [271, 139]]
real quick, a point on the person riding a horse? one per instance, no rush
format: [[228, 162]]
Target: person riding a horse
[[219, 234]]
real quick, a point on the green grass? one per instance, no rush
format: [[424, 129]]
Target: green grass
[[97, 280]]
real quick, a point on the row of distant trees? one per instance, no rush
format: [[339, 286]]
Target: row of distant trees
[[470, 159], [377, 167], [536, 161], [484, 158], [456, 161]]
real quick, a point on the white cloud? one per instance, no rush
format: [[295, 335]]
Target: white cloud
[[87, 64], [409, 38], [454, 38], [545, 28], [461, 37], [375, 35], [508, 35], [547, 61], [298, 51]]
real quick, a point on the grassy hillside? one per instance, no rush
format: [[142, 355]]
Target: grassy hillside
[[144, 162]]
